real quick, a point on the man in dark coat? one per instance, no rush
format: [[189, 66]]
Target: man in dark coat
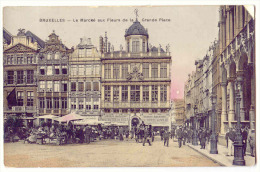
[[203, 136], [166, 138], [184, 135], [146, 137], [161, 133], [179, 135], [88, 132], [172, 133]]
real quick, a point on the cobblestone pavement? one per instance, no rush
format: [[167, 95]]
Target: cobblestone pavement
[[104, 153]]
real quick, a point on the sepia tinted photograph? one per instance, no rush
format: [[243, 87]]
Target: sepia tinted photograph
[[129, 86]]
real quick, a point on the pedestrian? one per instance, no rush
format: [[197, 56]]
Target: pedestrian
[[88, 132], [231, 137], [146, 137], [121, 132], [161, 134], [251, 140], [185, 135], [132, 132], [244, 140], [203, 138], [172, 133], [179, 136], [166, 138]]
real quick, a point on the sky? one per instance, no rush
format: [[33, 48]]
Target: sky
[[189, 30]]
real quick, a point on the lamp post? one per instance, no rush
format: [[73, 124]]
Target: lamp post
[[238, 143], [195, 133], [213, 137]]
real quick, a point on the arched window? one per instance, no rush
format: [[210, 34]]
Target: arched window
[[57, 55], [135, 46]]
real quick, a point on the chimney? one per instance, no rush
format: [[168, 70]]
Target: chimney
[[89, 41], [108, 47], [101, 45], [105, 44]]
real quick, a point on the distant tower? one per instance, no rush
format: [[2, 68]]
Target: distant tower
[[101, 45]]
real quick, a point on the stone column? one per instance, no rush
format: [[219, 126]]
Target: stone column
[[242, 108], [252, 106], [224, 107], [231, 112]]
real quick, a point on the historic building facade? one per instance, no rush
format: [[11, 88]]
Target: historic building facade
[[20, 70], [237, 64], [178, 112], [84, 79], [53, 77], [135, 83]]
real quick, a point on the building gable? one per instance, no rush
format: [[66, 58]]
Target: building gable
[[19, 48]]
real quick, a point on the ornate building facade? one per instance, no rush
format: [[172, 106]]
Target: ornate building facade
[[84, 79], [53, 77], [20, 70], [237, 64], [135, 84], [178, 112]]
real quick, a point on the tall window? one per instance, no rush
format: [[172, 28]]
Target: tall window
[[19, 60], [64, 69], [116, 93], [116, 71], [20, 97], [42, 70], [56, 86], [143, 46], [73, 86], [81, 70], [128, 46], [10, 77], [30, 59], [96, 103], [107, 93], [154, 93], [96, 69], [42, 102], [107, 71], [49, 86], [96, 86], [89, 52], [124, 93], [19, 77], [88, 103], [64, 86], [124, 71], [163, 92], [64, 103], [73, 103], [48, 103], [88, 70], [49, 70], [73, 70], [81, 86], [135, 93], [146, 70], [30, 97], [30, 76], [135, 46], [81, 52], [56, 103], [163, 70], [57, 69], [146, 93], [81, 103], [49, 56], [88, 86], [154, 70], [42, 84], [57, 55]]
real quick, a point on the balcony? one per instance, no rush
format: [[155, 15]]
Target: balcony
[[28, 109]]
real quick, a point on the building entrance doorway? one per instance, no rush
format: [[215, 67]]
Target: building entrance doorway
[[135, 122]]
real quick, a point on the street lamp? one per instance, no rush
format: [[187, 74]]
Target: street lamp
[[213, 137], [238, 143], [195, 133]]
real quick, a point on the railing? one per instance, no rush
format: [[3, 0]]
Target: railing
[[20, 109], [135, 55]]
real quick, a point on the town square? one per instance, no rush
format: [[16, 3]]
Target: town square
[[162, 86]]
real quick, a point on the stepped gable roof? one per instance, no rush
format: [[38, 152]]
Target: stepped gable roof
[[136, 29], [7, 36], [35, 38]]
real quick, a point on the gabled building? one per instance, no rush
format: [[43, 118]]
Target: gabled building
[[20, 70], [53, 77], [84, 79]]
